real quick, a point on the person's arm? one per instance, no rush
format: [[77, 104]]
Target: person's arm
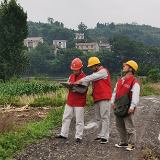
[[85, 84], [102, 74], [135, 96], [69, 79], [114, 96]]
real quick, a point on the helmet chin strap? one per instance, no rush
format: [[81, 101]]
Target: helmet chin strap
[[129, 70], [96, 68]]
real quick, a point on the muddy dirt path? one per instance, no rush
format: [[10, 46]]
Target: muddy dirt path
[[147, 123]]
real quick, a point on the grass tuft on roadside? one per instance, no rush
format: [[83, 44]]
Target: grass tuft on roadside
[[149, 154]]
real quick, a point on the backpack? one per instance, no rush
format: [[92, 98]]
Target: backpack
[[122, 104]]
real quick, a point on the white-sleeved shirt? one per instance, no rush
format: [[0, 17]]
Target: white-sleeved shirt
[[135, 94], [102, 74], [83, 83]]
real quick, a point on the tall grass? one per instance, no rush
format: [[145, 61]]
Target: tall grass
[[14, 141]]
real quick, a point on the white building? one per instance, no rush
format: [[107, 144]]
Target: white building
[[60, 43], [79, 35], [32, 42]]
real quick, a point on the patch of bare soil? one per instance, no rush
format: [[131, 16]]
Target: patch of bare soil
[[147, 123], [19, 116]]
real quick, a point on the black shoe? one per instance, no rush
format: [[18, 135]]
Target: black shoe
[[103, 141], [61, 137], [97, 139], [78, 140]]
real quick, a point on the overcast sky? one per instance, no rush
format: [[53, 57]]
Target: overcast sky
[[73, 12]]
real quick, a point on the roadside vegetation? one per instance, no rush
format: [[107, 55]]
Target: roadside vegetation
[[149, 154], [15, 140]]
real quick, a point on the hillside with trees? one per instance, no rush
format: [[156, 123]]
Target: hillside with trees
[[55, 30], [123, 49], [142, 33]]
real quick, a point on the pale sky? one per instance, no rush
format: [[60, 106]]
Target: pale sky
[[73, 12]]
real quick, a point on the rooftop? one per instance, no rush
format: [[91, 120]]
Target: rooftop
[[85, 44], [59, 41], [79, 34], [33, 38], [104, 44]]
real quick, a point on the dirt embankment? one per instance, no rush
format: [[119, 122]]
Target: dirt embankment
[[147, 123], [18, 116]]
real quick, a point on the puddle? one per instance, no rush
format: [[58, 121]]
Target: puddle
[[90, 125], [159, 137]]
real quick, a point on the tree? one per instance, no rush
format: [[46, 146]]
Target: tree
[[57, 23], [38, 58], [50, 20], [112, 25], [82, 27], [13, 31]]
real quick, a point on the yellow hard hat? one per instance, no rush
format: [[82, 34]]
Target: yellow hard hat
[[133, 64], [93, 61]]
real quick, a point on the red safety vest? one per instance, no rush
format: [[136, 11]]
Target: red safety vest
[[76, 99], [102, 88], [125, 88]]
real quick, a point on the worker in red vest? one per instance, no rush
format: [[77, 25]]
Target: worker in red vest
[[75, 104], [125, 124], [102, 93]]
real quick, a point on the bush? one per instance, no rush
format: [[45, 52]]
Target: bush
[[47, 101], [154, 74]]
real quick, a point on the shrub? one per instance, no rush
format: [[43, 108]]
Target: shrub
[[154, 74]]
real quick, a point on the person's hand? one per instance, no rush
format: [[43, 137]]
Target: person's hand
[[113, 105], [78, 82], [71, 85], [130, 111]]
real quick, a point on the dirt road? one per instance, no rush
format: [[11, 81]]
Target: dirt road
[[147, 123]]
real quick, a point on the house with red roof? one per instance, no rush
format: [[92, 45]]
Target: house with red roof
[[32, 42], [85, 47], [79, 35], [104, 46], [94, 47]]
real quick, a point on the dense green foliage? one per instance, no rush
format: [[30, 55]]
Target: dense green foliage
[[13, 30], [142, 33], [122, 49], [50, 32], [19, 89]]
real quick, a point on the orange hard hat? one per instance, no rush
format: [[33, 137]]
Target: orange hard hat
[[76, 64]]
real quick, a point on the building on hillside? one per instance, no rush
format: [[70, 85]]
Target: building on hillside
[[31, 42], [105, 46], [60, 43], [54, 50], [95, 47], [85, 47], [79, 35]]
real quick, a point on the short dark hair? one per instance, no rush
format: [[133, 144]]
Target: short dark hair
[[133, 71]]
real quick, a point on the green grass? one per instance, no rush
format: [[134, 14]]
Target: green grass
[[149, 154], [42, 101], [13, 142], [150, 89], [19, 89]]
